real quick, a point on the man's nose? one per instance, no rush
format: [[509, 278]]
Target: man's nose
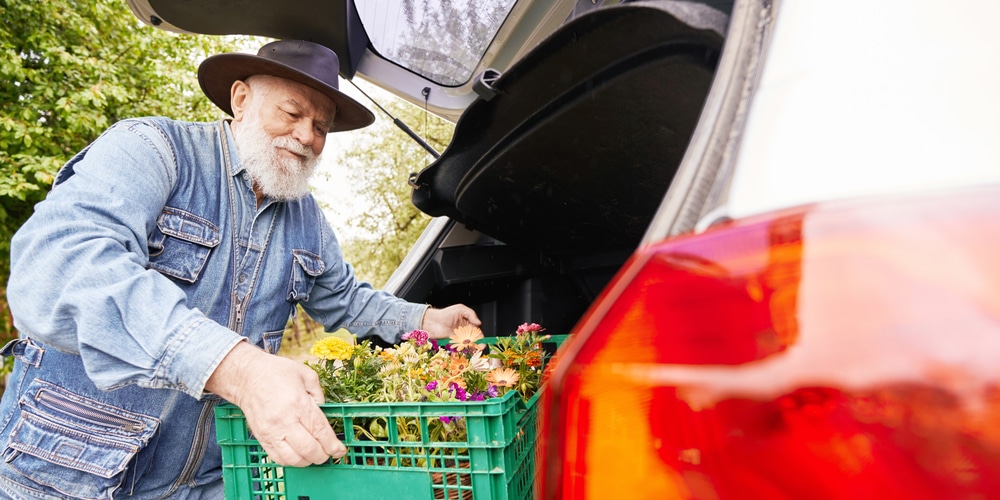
[[304, 132]]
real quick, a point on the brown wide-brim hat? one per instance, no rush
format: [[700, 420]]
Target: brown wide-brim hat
[[304, 62]]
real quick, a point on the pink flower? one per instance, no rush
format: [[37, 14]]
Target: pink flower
[[419, 337], [529, 327], [460, 393]]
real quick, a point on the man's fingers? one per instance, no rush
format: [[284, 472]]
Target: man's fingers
[[319, 428], [335, 448], [470, 317], [300, 447], [283, 453], [466, 316], [441, 323]]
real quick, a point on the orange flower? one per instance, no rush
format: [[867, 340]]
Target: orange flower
[[533, 359], [458, 364], [436, 362], [513, 358], [503, 377], [465, 337]]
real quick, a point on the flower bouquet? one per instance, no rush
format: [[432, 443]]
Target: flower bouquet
[[421, 369]]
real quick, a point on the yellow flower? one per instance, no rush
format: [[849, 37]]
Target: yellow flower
[[502, 377], [465, 337], [332, 348]]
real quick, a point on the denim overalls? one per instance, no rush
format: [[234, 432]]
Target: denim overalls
[[148, 261]]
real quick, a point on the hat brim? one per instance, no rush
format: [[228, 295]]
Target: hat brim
[[217, 73]]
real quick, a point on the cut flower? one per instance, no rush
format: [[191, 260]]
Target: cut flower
[[419, 337], [465, 337], [529, 328], [503, 377], [458, 364], [332, 348], [417, 370]]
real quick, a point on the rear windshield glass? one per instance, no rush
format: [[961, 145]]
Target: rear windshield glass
[[441, 41]]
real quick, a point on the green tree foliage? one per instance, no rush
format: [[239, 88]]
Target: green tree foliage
[[382, 231], [68, 70]]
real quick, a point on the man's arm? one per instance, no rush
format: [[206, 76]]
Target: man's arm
[[339, 300], [280, 399], [78, 277]]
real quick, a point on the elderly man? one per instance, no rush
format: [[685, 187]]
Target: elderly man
[[156, 280]]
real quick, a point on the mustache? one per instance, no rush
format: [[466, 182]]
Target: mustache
[[293, 146]]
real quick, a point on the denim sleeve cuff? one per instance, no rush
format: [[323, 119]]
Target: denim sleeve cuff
[[414, 317], [196, 353]]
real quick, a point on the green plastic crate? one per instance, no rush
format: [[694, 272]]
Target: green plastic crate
[[496, 462]]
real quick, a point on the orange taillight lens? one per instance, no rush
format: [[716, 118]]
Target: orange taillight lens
[[841, 350]]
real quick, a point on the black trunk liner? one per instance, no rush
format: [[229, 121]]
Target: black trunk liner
[[575, 152]]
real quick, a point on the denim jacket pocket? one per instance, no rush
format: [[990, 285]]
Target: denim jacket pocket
[[74, 445], [181, 243], [306, 266]]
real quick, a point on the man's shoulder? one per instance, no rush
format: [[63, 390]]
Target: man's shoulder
[[162, 132], [165, 124]]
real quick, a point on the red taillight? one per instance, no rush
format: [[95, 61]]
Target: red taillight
[[836, 351]]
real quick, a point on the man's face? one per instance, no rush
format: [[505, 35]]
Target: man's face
[[280, 129]]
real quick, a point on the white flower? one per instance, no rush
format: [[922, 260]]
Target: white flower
[[389, 367], [480, 364], [407, 354]]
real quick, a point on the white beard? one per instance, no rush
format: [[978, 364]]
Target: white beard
[[278, 176]]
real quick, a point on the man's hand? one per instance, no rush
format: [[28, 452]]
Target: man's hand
[[441, 323], [280, 399]]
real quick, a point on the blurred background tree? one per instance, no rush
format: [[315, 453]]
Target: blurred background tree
[[385, 224], [68, 70]]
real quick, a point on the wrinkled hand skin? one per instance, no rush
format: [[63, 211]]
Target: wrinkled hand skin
[[280, 399], [441, 323]]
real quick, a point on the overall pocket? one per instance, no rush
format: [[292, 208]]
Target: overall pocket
[[74, 445], [306, 266], [181, 243]]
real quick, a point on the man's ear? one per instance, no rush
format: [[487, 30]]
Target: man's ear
[[239, 96]]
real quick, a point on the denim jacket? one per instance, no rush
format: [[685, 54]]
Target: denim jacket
[[148, 261]]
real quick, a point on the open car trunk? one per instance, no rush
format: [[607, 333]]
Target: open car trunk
[[556, 170], [559, 160]]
